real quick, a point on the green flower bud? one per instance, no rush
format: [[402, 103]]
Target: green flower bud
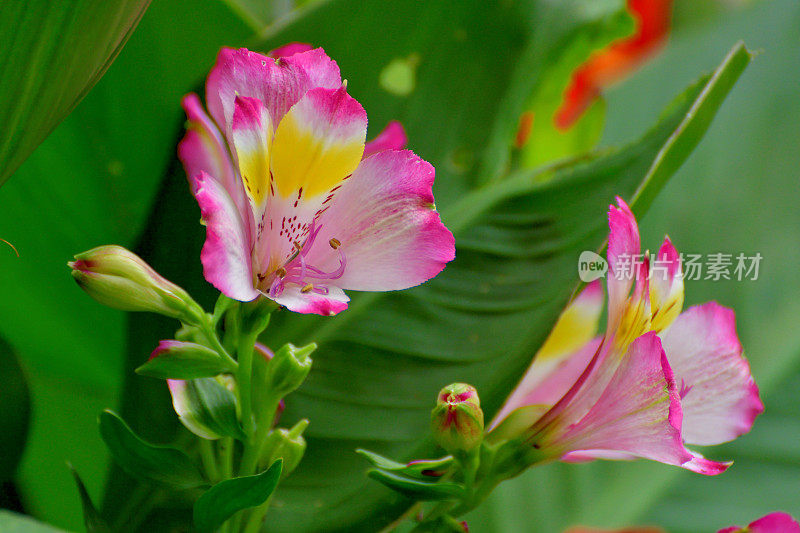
[[287, 369], [457, 419], [287, 444], [118, 278]]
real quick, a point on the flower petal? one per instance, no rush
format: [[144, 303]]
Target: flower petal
[[226, 252], [623, 250], [290, 50], [383, 215], [252, 137], [774, 523], [666, 287], [329, 304], [719, 397], [278, 83], [393, 137], [564, 355], [638, 412], [203, 148], [318, 143]]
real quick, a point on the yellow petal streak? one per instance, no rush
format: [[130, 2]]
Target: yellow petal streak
[[313, 161], [576, 326], [252, 147]]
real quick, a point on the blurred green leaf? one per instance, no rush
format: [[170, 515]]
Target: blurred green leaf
[[563, 34], [17, 523], [228, 497], [546, 142], [52, 54], [91, 517], [161, 464], [15, 411], [185, 361]]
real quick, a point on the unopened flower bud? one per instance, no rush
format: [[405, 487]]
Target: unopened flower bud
[[289, 445], [288, 368], [118, 278], [457, 419]]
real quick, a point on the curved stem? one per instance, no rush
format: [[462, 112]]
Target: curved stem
[[210, 334]]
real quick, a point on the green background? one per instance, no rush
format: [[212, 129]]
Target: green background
[[94, 179]]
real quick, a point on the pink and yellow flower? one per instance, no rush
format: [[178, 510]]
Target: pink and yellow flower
[[656, 380], [297, 205]]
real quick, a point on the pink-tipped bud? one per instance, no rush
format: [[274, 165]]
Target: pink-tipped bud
[[118, 278], [457, 419]]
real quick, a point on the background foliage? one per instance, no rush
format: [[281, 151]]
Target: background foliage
[[107, 174]]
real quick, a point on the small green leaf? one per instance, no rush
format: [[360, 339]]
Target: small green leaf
[[210, 405], [418, 489], [380, 461], [161, 464], [422, 469], [226, 498], [91, 517], [183, 360], [17, 523]]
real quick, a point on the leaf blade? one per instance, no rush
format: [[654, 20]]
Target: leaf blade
[[228, 497], [160, 464]]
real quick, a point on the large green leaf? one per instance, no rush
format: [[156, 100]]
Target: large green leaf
[[52, 54], [91, 182]]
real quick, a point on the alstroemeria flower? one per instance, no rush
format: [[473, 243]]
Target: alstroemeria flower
[[656, 379], [772, 523], [616, 61], [297, 206]]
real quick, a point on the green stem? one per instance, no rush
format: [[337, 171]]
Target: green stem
[[209, 461], [244, 377], [210, 334], [226, 457], [254, 522], [263, 426]]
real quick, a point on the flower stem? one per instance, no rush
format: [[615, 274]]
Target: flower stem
[[254, 522], [252, 453], [209, 461], [226, 457], [208, 329], [244, 377]]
